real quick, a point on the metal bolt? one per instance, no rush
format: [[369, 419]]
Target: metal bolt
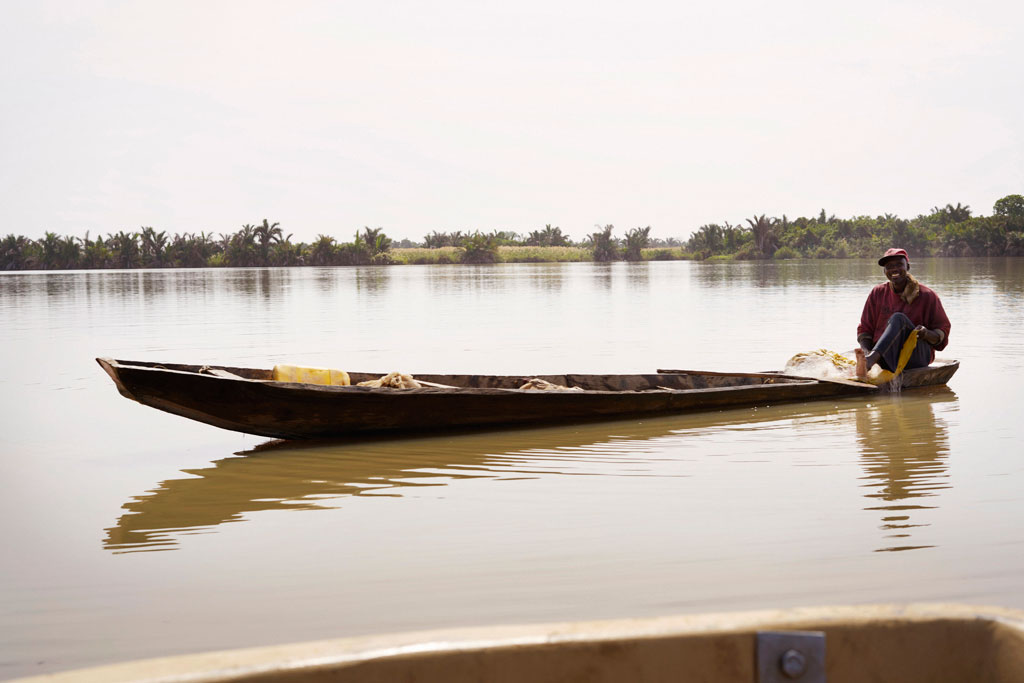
[[793, 664]]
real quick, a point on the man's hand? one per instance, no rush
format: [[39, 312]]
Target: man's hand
[[929, 336]]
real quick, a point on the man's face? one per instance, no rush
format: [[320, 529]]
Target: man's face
[[896, 272]]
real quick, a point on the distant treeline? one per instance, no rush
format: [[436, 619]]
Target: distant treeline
[[945, 231]]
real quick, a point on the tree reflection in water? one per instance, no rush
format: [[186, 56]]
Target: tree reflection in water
[[904, 451]]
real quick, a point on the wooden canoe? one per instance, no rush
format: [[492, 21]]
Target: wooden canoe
[[248, 400], [880, 643]]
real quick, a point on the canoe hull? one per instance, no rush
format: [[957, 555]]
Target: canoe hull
[[936, 374], [253, 404]]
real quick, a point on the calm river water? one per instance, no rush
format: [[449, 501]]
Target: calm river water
[[131, 533]]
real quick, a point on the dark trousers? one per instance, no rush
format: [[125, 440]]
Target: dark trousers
[[891, 343]]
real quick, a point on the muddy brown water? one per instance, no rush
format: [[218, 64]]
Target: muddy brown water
[[131, 533]]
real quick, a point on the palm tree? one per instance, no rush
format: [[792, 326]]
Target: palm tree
[[435, 240], [480, 248], [536, 238], [16, 253], [732, 237], [604, 246], [957, 214], [554, 236], [70, 252], [241, 247], [376, 241], [548, 237], [154, 246], [284, 253], [708, 238], [322, 251], [190, 251], [96, 254], [505, 237], [636, 240], [764, 233], [952, 214], [266, 234], [354, 253], [126, 248], [199, 249], [50, 245], [225, 241]]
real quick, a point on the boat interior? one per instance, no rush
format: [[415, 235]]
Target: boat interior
[[669, 380]]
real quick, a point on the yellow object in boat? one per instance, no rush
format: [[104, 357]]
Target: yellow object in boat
[[323, 376], [905, 353]]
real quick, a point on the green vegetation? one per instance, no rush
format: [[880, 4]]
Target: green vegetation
[[548, 237], [785, 253], [944, 231], [665, 254], [480, 248], [603, 246], [636, 240], [505, 254]]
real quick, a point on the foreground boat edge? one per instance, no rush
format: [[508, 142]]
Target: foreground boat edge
[[892, 642]]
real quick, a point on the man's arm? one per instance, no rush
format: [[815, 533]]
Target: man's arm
[[866, 329], [933, 337], [942, 324], [935, 325]]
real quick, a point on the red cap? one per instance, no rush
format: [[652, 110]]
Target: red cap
[[893, 253]]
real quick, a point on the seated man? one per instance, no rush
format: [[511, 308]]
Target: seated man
[[893, 310]]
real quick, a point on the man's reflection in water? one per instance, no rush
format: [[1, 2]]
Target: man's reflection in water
[[904, 449]]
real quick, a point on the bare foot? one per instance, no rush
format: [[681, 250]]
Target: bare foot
[[862, 364]]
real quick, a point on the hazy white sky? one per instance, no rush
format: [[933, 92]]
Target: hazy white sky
[[465, 115]]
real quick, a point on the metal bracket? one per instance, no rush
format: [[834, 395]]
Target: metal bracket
[[787, 656]]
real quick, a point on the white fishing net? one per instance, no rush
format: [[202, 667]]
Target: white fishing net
[[830, 365], [826, 364], [821, 364]]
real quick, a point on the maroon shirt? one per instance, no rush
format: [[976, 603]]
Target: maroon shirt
[[925, 309]]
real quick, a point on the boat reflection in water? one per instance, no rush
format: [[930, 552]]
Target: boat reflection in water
[[902, 447], [904, 451], [289, 475]]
